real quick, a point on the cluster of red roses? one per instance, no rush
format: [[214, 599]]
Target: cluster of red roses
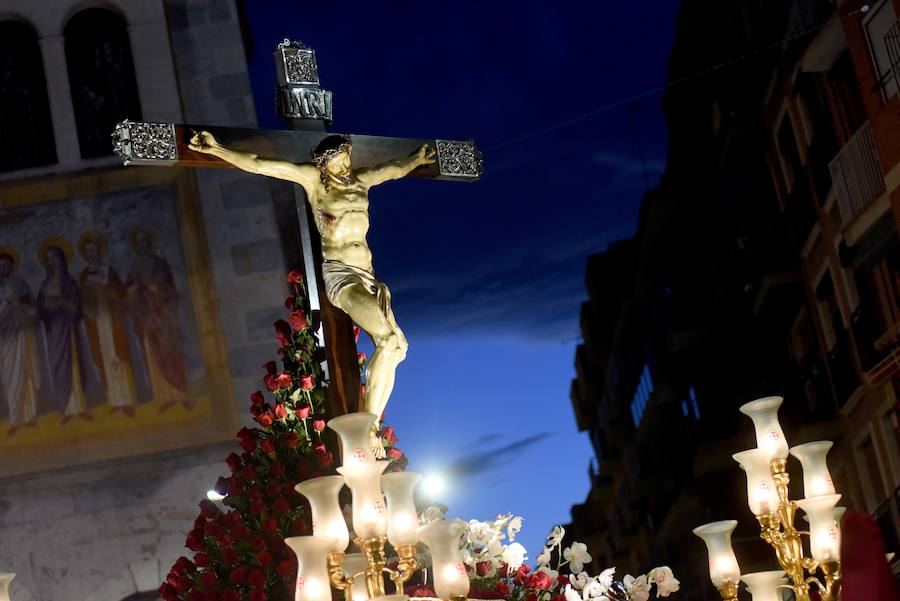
[[240, 554], [522, 584]]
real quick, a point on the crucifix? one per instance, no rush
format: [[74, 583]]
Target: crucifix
[[332, 175]]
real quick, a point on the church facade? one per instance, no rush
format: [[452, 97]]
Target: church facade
[[135, 303]]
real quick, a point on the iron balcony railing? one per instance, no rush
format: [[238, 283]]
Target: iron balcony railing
[[856, 173], [892, 48]]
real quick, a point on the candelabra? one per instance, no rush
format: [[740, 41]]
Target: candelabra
[[767, 496], [383, 510]]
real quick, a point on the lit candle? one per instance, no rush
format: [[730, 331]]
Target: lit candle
[[355, 431], [403, 519], [369, 511], [763, 586], [355, 563], [769, 435], [5, 579], [824, 532], [816, 477], [313, 583], [762, 496], [327, 518], [723, 565], [442, 538]]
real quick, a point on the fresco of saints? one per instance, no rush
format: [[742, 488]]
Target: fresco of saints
[[19, 364], [154, 305], [103, 303], [73, 378]]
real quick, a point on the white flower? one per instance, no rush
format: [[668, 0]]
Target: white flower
[[594, 590], [513, 527], [665, 581], [494, 548], [514, 555], [556, 535], [467, 556], [544, 557], [434, 513], [571, 594], [577, 556], [638, 588], [606, 577], [480, 534], [580, 580]]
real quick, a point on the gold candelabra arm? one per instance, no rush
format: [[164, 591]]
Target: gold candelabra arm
[[336, 574], [832, 571], [406, 566], [373, 548], [729, 592]]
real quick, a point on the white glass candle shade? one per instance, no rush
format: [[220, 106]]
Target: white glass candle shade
[[403, 519], [442, 538], [824, 532], [369, 511], [313, 582], [354, 430], [762, 496], [5, 579], [769, 435], [327, 518], [763, 586], [354, 563], [723, 565], [816, 477]]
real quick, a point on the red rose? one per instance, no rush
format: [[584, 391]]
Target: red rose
[[248, 473], [271, 382], [521, 574], [539, 580], [297, 319], [201, 559], [264, 558], [318, 425], [482, 568], [502, 589], [284, 380], [239, 532], [356, 331], [307, 382], [270, 525], [256, 579], [270, 367], [280, 411], [294, 277], [258, 543], [194, 540], [326, 459], [283, 332], [257, 398], [558, 596], [168, 592], [257, 595], [319, 447], [286, 568], [231, 595], [209, 580], [265, 419], [291, 440], [419, 590], [361, 358], [208, 509], [302, 412], [248, 439], [389, 435], [229, 556], [290, 302], [299, 527], [234, 462], [281, 506], [277, 470]]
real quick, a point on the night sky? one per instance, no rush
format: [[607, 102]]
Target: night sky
[[487, 278]]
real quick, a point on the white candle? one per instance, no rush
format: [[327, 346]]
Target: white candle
[[763, 586], [327, 518], [369, 510], [5, 579], [313, 582], [354, 430], [816, 477], [769, 435], [762, 495], [442, 538], [403, 519], [824, 532], [723, 565]]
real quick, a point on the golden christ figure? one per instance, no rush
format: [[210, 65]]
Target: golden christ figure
[[339, 196]]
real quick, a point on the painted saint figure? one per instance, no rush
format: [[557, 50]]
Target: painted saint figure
[[104, 305], [339, 196], [73, 377], [154, 306], [19, 364]]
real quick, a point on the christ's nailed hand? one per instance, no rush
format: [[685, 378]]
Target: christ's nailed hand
[[203, 141]]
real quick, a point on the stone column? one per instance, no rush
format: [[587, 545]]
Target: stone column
[[64, 129]]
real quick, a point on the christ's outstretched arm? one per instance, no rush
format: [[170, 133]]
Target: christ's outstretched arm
[[398, 168], [304, 174]]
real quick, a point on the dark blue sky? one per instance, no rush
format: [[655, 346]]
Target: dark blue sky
[[487, 278]]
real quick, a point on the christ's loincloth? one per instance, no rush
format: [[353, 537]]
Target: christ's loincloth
[[338, 276]]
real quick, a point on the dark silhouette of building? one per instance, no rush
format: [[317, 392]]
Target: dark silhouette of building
[[766, 262]]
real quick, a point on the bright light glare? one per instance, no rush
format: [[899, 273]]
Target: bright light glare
[[433, 485], [214, 496]]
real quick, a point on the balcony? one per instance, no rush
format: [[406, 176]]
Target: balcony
[[856, 174], [809, 15]]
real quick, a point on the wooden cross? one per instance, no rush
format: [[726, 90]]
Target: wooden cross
[[307, 110]]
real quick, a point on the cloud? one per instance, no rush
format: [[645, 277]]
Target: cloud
[[475, 464]]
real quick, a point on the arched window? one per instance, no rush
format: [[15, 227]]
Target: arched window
[[26, 130], [101, 77]]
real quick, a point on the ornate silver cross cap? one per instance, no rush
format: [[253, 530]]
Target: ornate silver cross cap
[[138, 143], [299, 95], [459, 159]]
